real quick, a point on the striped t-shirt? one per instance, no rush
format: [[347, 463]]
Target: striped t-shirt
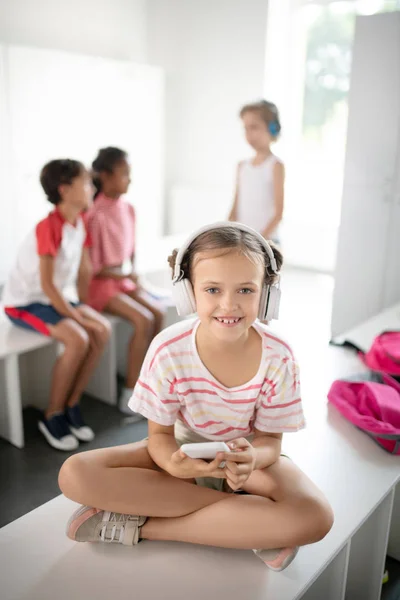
[[111, 224], [174, 385]]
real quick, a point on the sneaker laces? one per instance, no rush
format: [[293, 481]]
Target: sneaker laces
[[114, 527]]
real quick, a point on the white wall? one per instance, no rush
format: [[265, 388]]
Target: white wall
[[213, 52], [113, 29], [109, 28], [60, 90]]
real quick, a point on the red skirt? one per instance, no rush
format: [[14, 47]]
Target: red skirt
[[102, 289]]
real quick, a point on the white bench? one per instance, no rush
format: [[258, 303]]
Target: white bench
[[357, 476], [26, 360]]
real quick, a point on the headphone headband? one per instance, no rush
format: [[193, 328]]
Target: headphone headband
[[178, 273]]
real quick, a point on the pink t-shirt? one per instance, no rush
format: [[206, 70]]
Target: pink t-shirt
[[174, 385], [111, 224]]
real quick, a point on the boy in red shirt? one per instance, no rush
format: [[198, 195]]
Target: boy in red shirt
[[37, 296]]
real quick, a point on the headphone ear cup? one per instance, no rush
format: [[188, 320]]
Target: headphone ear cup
[[182, 293], [262, 311], [274, 299], [274, 128]]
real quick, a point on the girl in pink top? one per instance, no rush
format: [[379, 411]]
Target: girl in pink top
[[114, 288], [221, 376]]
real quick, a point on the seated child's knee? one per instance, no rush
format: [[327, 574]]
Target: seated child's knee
[[79, 340], [327, 520], [152, 323], [160, 312], [145, 323], [70, 476], [322, 518], [105, 332], [108, 328]]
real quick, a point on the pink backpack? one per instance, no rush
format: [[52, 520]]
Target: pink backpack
[[384, 354], [372, 406]]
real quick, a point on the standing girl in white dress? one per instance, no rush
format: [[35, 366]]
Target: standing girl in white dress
[[259, 196]]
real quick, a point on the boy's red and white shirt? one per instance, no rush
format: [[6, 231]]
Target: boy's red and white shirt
[[53, 236]]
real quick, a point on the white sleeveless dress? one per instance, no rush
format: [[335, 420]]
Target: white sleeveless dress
[[256, 203]]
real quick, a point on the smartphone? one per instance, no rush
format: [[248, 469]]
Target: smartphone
[[204, 450]]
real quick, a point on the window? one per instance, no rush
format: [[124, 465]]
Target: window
[[308, 75]]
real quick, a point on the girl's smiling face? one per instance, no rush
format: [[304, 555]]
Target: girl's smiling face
[[227, 287]]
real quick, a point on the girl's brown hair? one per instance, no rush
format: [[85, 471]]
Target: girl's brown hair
[[226, 239]]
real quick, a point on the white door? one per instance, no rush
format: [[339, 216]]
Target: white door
[[370, 168], [360, 274], [392, 265], [372, 132]]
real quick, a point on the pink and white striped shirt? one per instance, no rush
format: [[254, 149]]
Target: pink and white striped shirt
[[174, 385], [111, 224]]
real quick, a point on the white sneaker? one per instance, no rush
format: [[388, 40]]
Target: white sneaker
[[57, 433], [124, 398], [89, 524], [277, 559], [77, 426]]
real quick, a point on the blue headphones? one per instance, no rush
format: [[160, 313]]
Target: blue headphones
[[274, 127]]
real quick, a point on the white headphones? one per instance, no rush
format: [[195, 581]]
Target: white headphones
[[182, 290]]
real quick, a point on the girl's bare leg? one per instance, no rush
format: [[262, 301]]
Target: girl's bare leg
[[97, 341], [106, 479], [285, 510], [143, 321], [76, 345], [156, 308]]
